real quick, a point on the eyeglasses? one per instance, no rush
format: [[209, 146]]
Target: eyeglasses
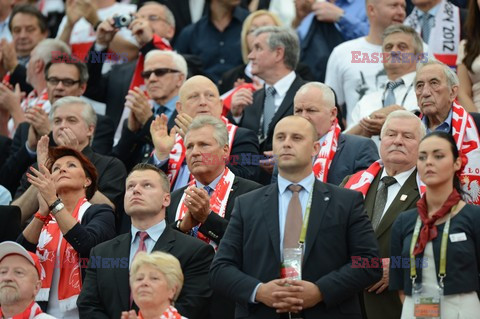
[[158, 72], [65, 82], [153, 18]]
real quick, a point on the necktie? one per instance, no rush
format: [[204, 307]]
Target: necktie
[[390, 98], [195, 228], [381, 200], [141, 247], [268, 108], [427, 20], [294, 220], [159, 110]]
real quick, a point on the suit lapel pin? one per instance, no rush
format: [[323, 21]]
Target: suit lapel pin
[[403, 197]]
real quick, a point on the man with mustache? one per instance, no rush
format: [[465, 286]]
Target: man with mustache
[[389, 187], [20, 274]]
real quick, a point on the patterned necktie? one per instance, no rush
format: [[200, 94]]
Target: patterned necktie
[[141, 247], [294, 220], [195, 228], [268, 109], [427, 20], [381, 200], [390, 98]]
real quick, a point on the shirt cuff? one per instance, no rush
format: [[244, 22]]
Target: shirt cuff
[[99, 47], [254, 294], [158, 162], [32, 154], [237, 118]]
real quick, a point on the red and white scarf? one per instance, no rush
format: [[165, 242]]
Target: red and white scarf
[[137, 80], [465, 134], [50, 243], [31, 100], [218, 200], [31, 312], [444, 37], [327, 152], [177, 154], [170, 313], [361, 181]]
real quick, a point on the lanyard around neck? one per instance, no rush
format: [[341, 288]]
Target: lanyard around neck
[[303, 232], [404, 96]]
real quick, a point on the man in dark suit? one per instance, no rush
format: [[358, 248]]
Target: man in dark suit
[[267, 221], [105, 292], [193, 209], [340, 154], [386, 198], [274, 58], [199, 96]]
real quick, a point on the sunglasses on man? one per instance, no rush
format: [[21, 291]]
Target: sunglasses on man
[[158, 72]]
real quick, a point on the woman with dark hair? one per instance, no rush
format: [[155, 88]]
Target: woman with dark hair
[[65, 227], [468, 60], [439, 240]]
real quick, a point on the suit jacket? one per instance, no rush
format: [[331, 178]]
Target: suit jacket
[[214, 228], [387, 304], [105, 292], [250, 251], [354, 153], [10, 227]]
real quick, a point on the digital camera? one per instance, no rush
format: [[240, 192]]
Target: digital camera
[[123, 20]]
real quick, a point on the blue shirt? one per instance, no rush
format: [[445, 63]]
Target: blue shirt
[[354, 23], [444, 127], [219, 51], [169, 106], [154, 234]]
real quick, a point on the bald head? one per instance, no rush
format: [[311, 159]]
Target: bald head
[[199, 96]]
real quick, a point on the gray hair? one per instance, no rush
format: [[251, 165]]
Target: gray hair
[[178, 60], [404, 114], [400, 28], [88, 113], [220, 129], [169, 17], [45, 48], [452, 78], [280, 37], [327, 93]]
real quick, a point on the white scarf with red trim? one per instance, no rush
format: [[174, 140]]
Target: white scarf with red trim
[[67, 262], [177, 154], [362, 180], [31, 312], [218, 201], [327, 152], [170, 313], [465, 134], [444, 37]]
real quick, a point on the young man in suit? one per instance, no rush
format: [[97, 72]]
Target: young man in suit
[[274, 58], [204, 207], [105, 292], [247, 267], [341, 154], [386, 198]]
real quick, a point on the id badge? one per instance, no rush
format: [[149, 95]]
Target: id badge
[[292, 264], [427, 301]]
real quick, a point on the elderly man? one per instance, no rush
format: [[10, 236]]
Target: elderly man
[[274, 58], [164, 73], [265, 234], [199, 96], [204, 207], [73, 123], [402, 49], [389, 187], [340, 154], [20, 274], [436, 86], [106, 291]]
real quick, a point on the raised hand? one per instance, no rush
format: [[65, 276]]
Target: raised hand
[[240, 100], [42, 180], [141, 30], [66, 137], [73, 12], [129, 315], [162, 141], [106, 32], [42, 150], [182, 122], [198, 203], [140, 108]]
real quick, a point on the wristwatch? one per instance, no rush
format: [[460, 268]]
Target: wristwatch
[[56, 206], [178, 223]]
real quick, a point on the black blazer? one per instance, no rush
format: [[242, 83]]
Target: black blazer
[[105, 292], [215, 226], [463, 257], [10, 227], [338, 229]]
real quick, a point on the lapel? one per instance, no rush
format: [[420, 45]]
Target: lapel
[[371, 194], [336, 158], [171, 120], [269, 206], [122, 249], [231, 198], [166, 240], [320, 201], [409, 188], [286, 105], [256, 112]]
